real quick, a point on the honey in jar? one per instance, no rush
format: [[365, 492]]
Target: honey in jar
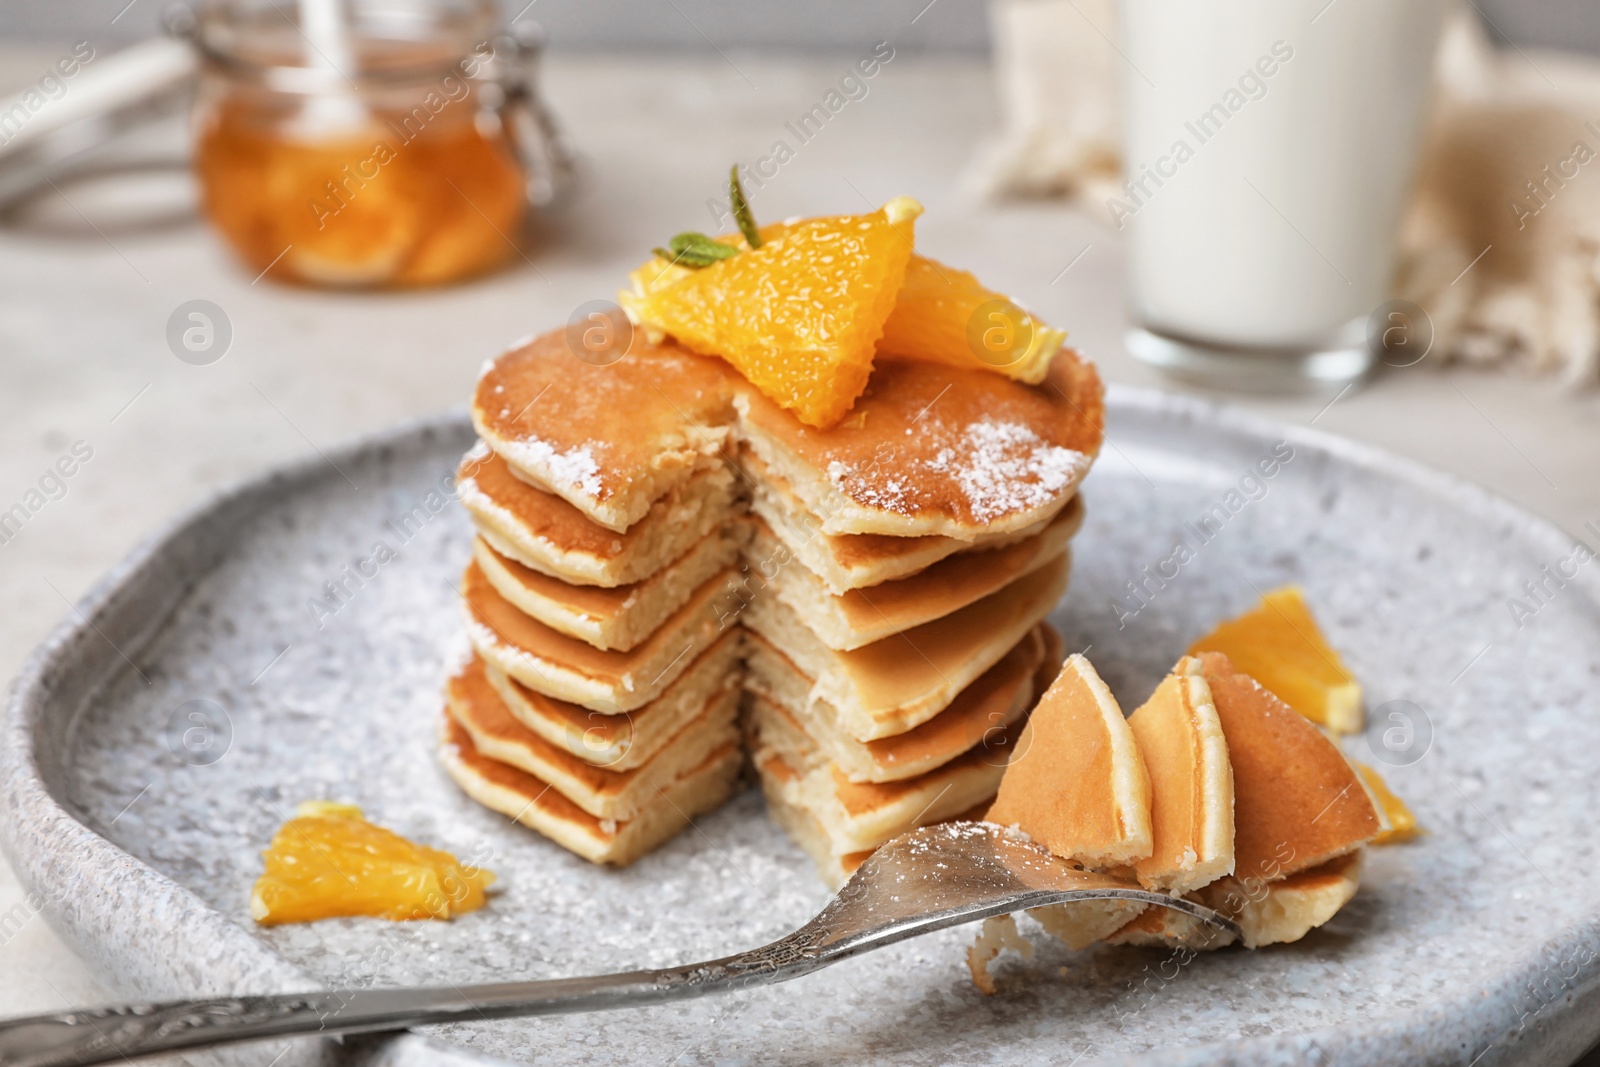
[[404, 171]]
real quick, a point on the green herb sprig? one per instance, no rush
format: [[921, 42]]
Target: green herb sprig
[[695, 250]]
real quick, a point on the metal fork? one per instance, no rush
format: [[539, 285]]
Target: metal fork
[[926, 880]]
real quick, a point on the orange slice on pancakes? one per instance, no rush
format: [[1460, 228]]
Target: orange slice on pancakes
[[800, 316], [945, 315]]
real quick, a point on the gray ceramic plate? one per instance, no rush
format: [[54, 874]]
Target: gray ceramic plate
[[209, 684]]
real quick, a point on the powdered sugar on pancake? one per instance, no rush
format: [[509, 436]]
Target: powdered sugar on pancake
[[1006, 467], [576, 468], [893, 494], [1001, 468]]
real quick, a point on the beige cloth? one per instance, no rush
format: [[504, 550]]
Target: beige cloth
[[1507, 270]]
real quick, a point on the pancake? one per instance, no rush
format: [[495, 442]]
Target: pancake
[[1288, 909], [1076, 783], [601, 791], [1165, 928], [804, 829], [568, 669], [902, 681], [998, 698], [542, 531], [856, 816], [621, 617], [623, 742], [610, 440], [531, 802], [858, 561], [861, 616], [998, 933], [928, 448], [934, 449], [1298, 802], [1180, 737], [1268, 913]]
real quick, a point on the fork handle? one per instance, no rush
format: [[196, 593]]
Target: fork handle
[[111, 1035]]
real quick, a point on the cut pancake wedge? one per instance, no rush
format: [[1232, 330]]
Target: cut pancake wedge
[[843, 562], [860, 617], [600, 791], [901, 682], [1075, 783], [623, 742], [1288, 909], [1270, 913], [1192, 797], [617, 618], [540, 530], [563, 667], [531, 802], [1299, 802], [998, 698], [860, 816]]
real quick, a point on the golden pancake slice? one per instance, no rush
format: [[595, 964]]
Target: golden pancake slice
[[624, 742], [1192, 807], [928, 449], [542, 531], [533, 803], [856, 816], [1268, 913], [1298, 802], [861, 616], [998, 698], [937, 450], [901, 682], [1075, 783], [620, 618], [600, 791], [843, 562], [807, 831], [568, 669], [608, 438], [1165, 928], [1274, 913]]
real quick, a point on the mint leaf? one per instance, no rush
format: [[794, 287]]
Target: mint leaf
[[741, 209]]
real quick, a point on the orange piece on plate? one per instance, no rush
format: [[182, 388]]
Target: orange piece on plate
[[1403, 825], [799, 317], [1279, 645], [945, 315], [329, 861]]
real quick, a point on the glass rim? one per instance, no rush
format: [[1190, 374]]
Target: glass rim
[[465, 30]]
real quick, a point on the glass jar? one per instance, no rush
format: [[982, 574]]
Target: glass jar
[[409, 156]]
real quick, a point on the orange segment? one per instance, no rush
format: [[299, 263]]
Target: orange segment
[[799, 317], [1279, 645], [1403, 824], [944, 315], [328, 861]]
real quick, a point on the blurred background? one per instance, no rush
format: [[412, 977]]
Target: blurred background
[[646, 25]]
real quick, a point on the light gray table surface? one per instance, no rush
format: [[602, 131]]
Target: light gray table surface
[[84, 304]]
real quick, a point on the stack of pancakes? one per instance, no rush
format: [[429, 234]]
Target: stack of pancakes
[[1213, 790], [659, 545]]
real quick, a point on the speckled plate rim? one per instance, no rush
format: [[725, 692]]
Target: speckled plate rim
[[114, 898]]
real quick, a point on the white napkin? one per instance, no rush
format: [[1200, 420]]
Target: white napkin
[[1505, 270]]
